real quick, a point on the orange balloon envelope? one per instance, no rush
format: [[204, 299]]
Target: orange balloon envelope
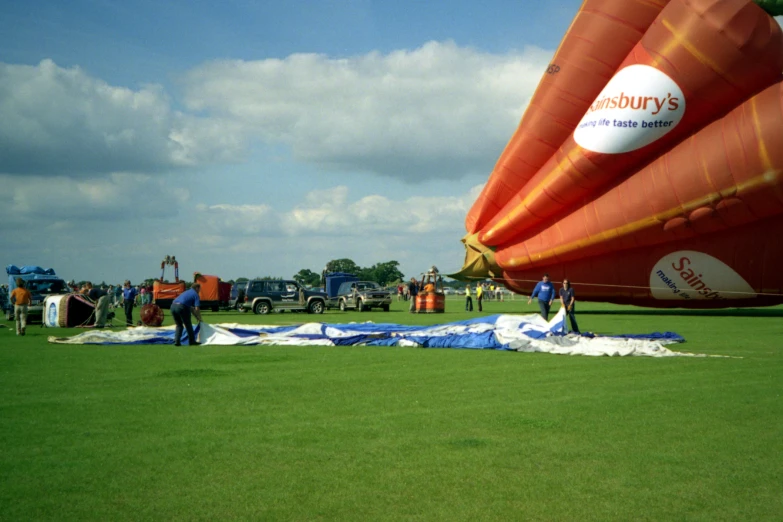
[[667, 188], [599, 39]]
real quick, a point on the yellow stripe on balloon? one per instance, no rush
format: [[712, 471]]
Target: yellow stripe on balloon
[[691, 48], [769, 178]]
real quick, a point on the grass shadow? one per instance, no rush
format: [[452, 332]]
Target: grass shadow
[[206, 372]]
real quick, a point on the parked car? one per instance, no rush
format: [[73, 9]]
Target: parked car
[[362, 295], [41, 284], [265, 295], [447, 291]]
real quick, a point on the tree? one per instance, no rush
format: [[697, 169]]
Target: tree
[[343, 265], [307, 277], [383, 273]]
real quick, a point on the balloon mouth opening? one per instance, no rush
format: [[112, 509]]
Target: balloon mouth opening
[[479, 261]]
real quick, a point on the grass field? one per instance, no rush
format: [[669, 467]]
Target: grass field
[[365, 433]]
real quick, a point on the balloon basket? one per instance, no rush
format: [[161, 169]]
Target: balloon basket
[[430, 303]]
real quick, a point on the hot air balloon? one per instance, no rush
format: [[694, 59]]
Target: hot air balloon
[[663, 185]]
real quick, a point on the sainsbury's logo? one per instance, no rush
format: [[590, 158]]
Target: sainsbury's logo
[[637, 107], [692, 275], [653, 104]]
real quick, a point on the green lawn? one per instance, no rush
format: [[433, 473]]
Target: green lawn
[[367, 433]]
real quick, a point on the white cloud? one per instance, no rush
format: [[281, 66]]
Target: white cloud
[[331, 213], [257, 240], [440, 111], [236, 220], [122, 226], [437, 112], [62, 122], [64, 202]]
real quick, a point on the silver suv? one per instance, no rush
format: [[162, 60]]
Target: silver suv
[[362, 295]]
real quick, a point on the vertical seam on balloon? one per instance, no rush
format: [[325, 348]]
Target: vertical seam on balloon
[[734, 122], [704, 167], [691, 48], [585, 218], [691, 145], [619, 190], [763, 152], [570, 27]]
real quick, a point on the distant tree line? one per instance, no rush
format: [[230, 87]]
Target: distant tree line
[[384, 273]]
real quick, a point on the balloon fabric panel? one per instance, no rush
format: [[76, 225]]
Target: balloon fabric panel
[[694, 72], [599, 39]]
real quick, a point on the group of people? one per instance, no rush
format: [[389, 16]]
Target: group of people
[[544, 292], [116, 294], [483, 291], [183, 306], [105, 297]]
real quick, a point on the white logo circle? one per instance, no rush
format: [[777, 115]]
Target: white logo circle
[[637, 107], [690, 275]]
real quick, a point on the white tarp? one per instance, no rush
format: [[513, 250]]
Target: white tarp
[[523, 333]]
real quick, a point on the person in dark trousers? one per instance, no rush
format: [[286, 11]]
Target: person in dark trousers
[[413, 290], [128, 301], [568, 300], [480, 296], [185, 303], [21, 298], [468, 300], [101, 300], [545, 292]]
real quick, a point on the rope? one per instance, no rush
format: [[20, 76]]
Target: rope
[[631, 287]]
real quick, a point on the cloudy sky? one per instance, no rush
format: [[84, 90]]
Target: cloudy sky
[[254, 138]]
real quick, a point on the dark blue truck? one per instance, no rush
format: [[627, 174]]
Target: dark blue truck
[[40, 282]]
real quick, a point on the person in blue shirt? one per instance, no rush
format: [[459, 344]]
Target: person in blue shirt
[[128, 301], [185, 303], [545, 292]]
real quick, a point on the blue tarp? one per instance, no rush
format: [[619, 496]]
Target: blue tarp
[[26, 270], [495, 332]]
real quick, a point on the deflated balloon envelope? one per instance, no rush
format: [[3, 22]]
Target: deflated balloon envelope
[[660, 184]]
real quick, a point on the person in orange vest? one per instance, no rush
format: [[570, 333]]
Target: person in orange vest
[[20, 297]]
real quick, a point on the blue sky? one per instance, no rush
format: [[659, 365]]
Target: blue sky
[[256, 138]]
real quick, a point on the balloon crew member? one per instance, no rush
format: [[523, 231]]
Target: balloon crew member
[[128, 301], [413, 290], [185, 303], [545, 292], [21, 298], [468, 300], [568, 300], [479, 296], [101, 299]]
